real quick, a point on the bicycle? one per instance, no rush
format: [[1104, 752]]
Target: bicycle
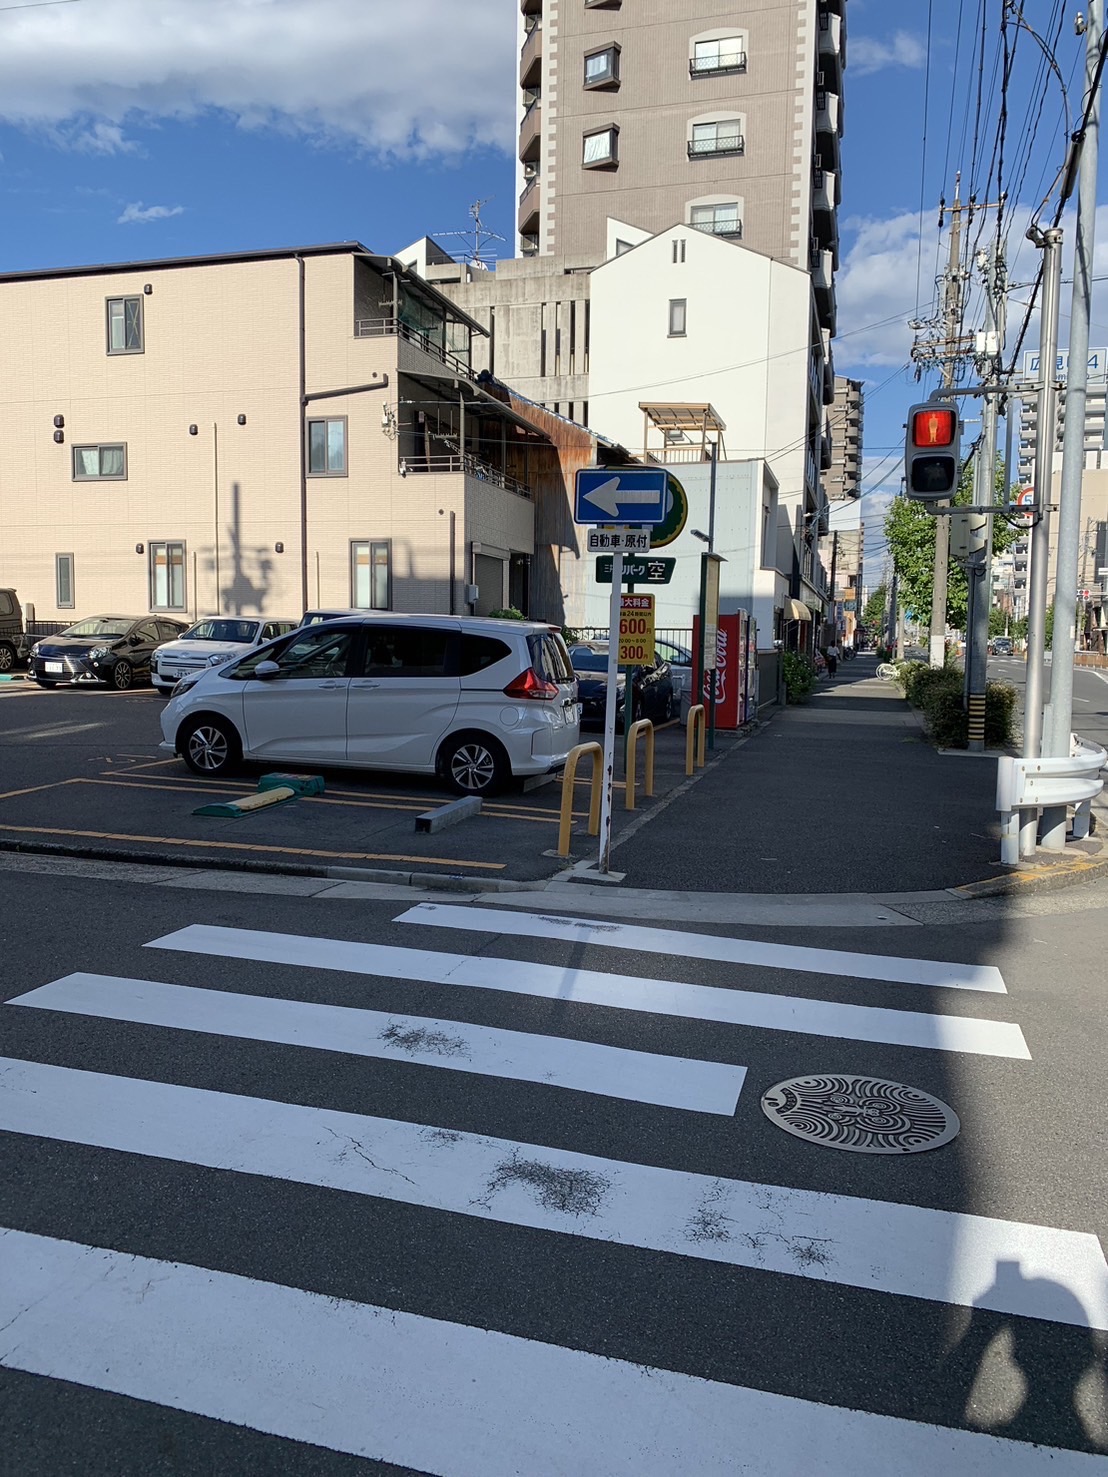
[[886, 671]]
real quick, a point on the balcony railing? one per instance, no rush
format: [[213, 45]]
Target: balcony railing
[[731, 228], [717, 66], [472, 466], [529, 130], [393, 328], [715, 148]]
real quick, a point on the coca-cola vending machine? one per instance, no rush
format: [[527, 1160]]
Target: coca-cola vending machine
[[732, 679]]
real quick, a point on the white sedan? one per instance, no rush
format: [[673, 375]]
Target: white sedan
[[210, 642]]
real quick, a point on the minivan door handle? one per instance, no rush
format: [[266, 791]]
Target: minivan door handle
[[365, 686], [330, 686]]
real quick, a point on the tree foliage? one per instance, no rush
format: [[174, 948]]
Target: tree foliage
[[873, 616], [910, 533]]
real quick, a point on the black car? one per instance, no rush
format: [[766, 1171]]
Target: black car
[[110, 649], [13, 638], [652, 694]]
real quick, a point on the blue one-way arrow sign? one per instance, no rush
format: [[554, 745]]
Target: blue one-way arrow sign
[[631, 495]]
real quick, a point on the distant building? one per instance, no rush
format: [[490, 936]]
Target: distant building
[[844, 423]]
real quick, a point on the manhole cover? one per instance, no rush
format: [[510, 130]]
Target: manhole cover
[[865, 1114]]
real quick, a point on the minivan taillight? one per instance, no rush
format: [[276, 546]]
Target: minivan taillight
[[530, 684]]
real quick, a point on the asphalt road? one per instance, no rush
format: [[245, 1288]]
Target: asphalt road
[[459, 1207], [1090, 694]]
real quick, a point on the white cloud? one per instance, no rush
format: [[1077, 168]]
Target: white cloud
[[875, 288], [424, 77], [139, 214], [870, 55]]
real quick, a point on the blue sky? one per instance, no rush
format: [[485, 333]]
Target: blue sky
[[132, 129]]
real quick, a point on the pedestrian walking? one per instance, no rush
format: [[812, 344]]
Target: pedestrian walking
[[832, 659]]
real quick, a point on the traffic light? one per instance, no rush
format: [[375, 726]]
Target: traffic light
[[931, 451]]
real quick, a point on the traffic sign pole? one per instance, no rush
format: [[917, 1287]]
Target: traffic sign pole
[[603, 860]]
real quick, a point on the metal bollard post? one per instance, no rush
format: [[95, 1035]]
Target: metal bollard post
[[635, 732], [696, 738], [565, 822]]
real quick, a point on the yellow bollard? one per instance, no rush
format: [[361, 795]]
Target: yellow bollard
[[643, 726], [565, 823], [696, 738]]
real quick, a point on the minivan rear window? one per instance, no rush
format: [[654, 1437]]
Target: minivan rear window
[[550, 658], [479, 652]]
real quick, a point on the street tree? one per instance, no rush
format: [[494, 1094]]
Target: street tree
[[873, 617], [910, 534]]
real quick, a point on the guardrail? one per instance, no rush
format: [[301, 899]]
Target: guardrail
[[696, 738], [643, 728], [565, 821], [1029, 784]]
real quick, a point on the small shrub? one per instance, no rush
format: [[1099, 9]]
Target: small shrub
[[923, 684], [1000, 715], [507, 613], [948, 721], [570, 635], [799, 674]]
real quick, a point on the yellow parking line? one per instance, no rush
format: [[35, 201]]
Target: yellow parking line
[[357, 856], [35, 789]]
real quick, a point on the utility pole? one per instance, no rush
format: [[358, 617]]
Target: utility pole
[[979, 571], [1050, 241], [952, 322], [1056, 736]]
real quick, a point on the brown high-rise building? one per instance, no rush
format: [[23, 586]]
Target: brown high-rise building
[[727, 118]]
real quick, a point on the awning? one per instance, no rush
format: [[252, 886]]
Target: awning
[[796, 610]]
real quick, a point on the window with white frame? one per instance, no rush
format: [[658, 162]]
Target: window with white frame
[[724, 219], [125, 325], [602, 67], [105, 463], [167, 575], [678, 307], [721, 136], [600, 150], [371, 574], [720, 54], [63, 582], [327, 446]]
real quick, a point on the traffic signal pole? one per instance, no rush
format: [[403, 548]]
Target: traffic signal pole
[[1051, 243], [1059, 720], [952, 316]]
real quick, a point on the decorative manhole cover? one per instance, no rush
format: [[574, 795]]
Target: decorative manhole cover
[[865, 1114]]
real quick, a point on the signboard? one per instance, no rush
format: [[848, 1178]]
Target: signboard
[[850, 606], [619, 540], [621, 495], [637, 571], [1025, 498], [710, 576], [1098, 364], [636, 630]]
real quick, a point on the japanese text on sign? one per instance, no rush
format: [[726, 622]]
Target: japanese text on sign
[[636, 630], [619, 540]]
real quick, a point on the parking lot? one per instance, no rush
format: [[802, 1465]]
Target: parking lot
[[80, 770]]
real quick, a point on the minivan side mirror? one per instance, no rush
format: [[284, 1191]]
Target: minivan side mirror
[[133, 639], [266, 670]]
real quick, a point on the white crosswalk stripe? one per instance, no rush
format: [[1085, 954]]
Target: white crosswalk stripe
[[626, 992], [444, 1396]]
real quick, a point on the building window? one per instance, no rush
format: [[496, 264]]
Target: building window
[[327, 447], [602, 67], [100, 463], [125, 325], [724, 54], [678, 251], [167, 576], [722, 137], [371, 574], [677, 307], [63, 581], [717, 220], [600, 149], [622, 247]]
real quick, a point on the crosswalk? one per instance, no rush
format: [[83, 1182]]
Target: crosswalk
[[610, 1155]]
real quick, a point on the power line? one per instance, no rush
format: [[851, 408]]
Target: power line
[[923, 154]]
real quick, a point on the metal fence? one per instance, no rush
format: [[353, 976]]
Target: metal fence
[[36, 630]]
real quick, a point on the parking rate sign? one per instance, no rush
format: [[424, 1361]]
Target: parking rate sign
[[636, 630]]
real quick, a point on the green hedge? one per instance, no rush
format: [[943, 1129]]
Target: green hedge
[[800, 676], [937, 693]]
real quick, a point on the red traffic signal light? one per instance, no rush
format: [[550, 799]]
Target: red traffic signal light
[[931, 451], [934, 426]]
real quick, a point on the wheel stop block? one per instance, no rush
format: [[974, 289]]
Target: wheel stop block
[[262, 800], [299, 784]]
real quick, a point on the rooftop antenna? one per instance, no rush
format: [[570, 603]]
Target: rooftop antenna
[[478, 253]]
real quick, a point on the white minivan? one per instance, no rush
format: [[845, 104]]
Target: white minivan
[[475, 701]]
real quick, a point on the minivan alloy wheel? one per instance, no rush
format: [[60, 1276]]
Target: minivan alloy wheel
[[472, 766], [208, 747]]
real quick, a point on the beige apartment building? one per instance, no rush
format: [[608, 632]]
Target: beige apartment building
[[843, 479], [264, 432]]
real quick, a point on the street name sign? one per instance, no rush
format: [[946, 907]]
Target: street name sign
[[619, 541], [621, 495], [636, 630], [637, 571]]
